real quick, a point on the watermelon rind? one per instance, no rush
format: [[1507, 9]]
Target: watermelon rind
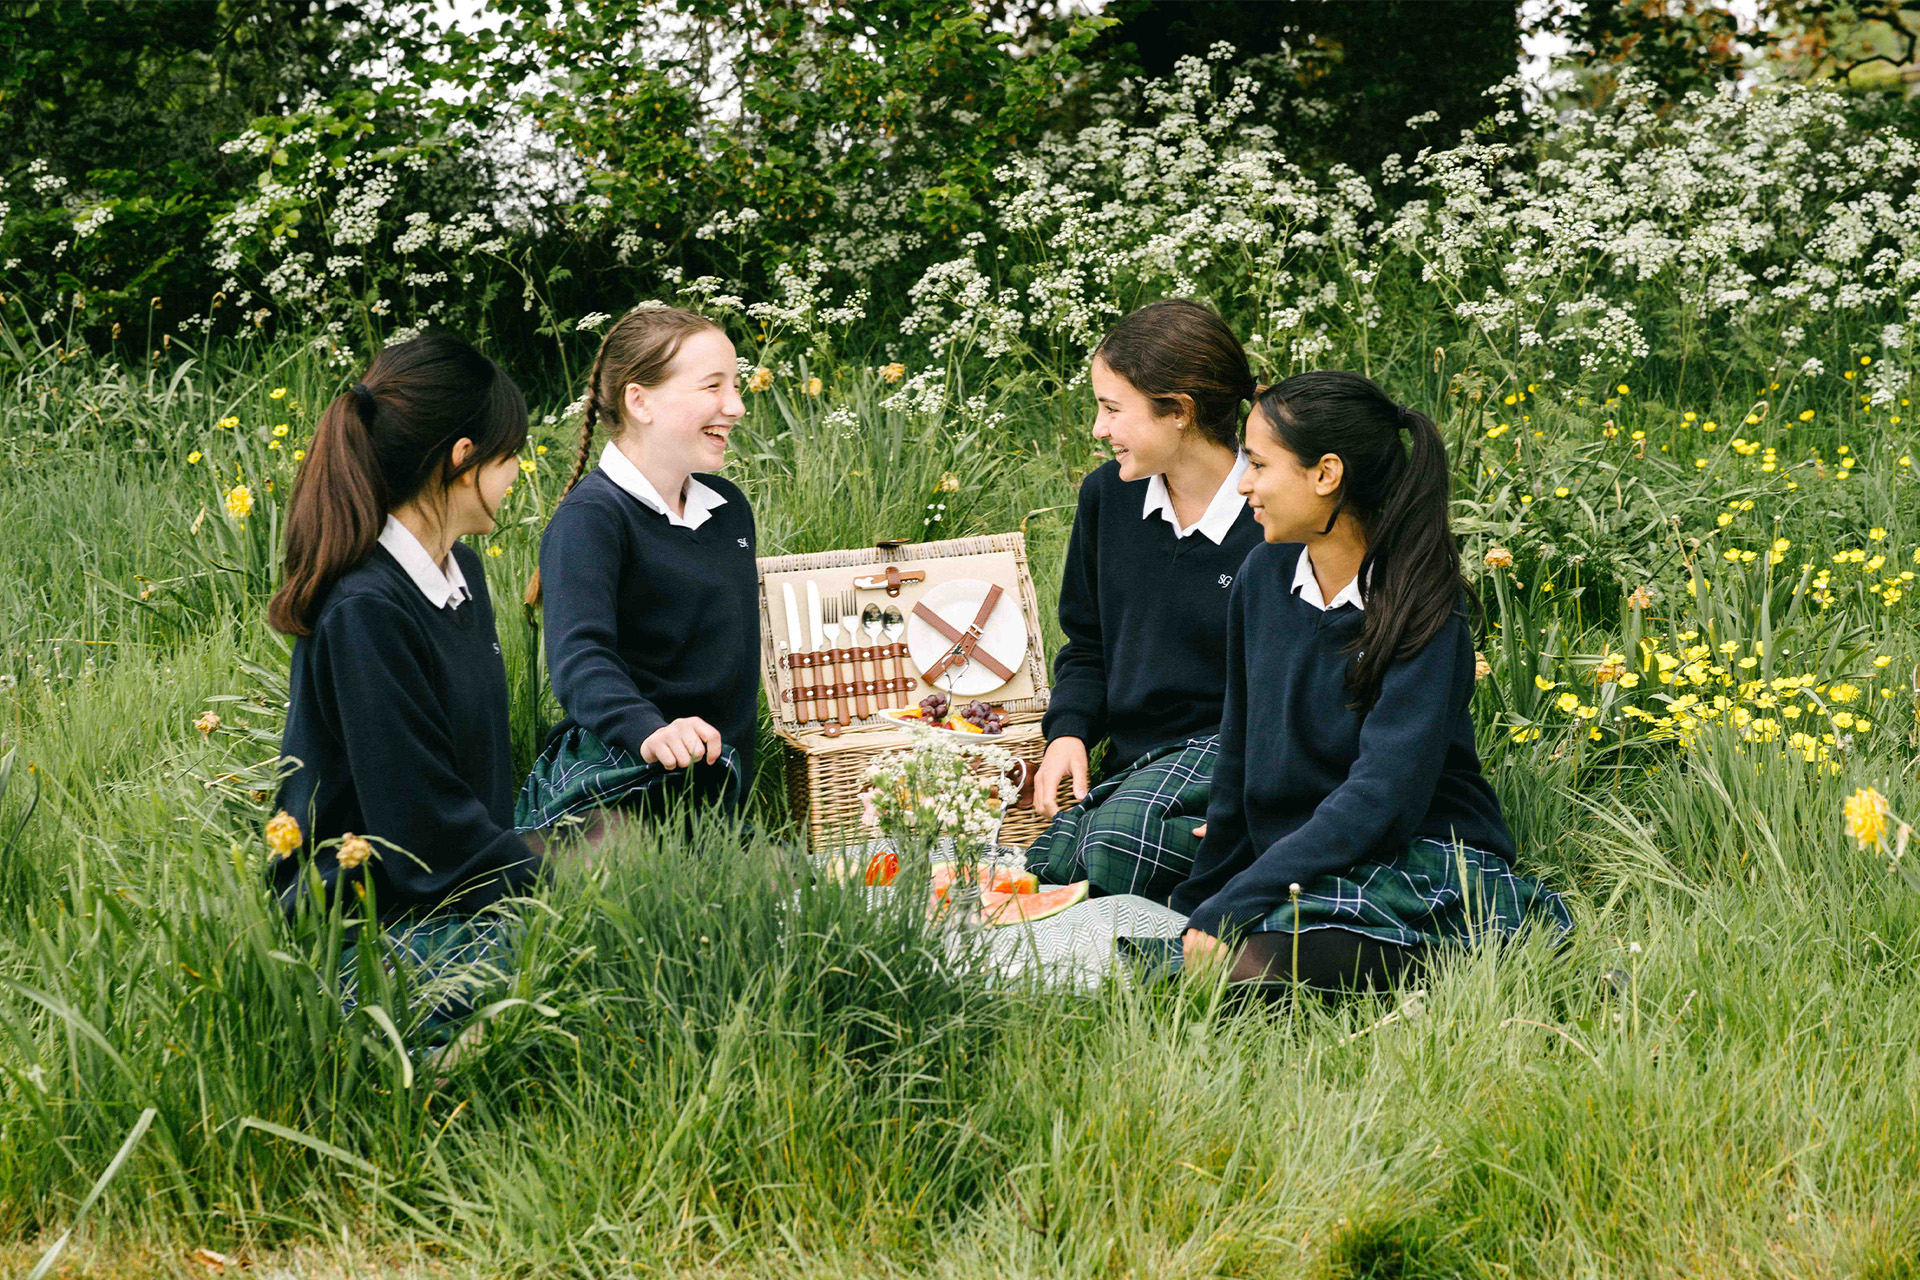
[[997, 909]]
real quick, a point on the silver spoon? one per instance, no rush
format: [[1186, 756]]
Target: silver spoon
[[870, 623], [894, 624]]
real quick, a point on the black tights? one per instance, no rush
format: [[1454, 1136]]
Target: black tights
[[1330, 960]]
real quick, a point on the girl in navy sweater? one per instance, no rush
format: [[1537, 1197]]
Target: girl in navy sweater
[[396, 727], [648, 577], [1157, 539], [1350, 829]]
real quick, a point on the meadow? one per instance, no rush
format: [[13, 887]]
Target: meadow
[[1673, 364]]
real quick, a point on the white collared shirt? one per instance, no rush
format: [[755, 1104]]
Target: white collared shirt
[[1307, 587], [696, 506], [1217, 521], [440, 587]]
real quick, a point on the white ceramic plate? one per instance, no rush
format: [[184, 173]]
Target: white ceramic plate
[[1004, 635], [898, 716]]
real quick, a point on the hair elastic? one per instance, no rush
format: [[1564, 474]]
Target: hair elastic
[[364, 400], [1400, 416]]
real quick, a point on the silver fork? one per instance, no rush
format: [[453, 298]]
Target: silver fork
[[850, 619], [830, 627]]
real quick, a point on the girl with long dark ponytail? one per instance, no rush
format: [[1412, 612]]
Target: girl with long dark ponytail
[[397, 743], [1350, 830]]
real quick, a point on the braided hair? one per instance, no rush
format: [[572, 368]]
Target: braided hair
[[638, 349]]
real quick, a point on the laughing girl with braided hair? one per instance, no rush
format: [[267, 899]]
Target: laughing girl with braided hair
[[647, 582]]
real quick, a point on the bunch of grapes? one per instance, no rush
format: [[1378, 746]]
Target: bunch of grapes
[[990, 718], [933, 707]]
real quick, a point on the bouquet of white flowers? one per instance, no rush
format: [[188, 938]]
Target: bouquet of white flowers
[[942, 786]]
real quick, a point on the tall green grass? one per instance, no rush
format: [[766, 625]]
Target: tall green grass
[[702, 1062]]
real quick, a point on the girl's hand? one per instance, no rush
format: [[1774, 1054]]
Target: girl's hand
[[1064, 756], [1201, 949], [679, 744], [1200, 832]]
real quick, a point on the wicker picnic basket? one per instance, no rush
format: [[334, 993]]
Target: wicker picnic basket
[[826, 772]]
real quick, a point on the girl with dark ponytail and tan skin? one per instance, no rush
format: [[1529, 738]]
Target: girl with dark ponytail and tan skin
[[1350, 831], [648, 585], [397, 722]]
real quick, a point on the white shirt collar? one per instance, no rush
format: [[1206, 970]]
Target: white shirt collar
[[698, 504], [1217, 521], [441, 588], [1307, 587]]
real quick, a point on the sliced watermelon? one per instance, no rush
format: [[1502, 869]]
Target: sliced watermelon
[[1009, 880], [995, 879], [1023, 908]]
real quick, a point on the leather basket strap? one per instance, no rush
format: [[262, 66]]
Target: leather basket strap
[[964, 642]]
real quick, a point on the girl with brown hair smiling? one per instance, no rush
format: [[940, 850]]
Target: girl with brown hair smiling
[[649, 582], [1158, 537]]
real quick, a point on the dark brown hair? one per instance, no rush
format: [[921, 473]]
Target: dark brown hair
[[1410, 576], [383, 441], [1182, 356], [639, 348]]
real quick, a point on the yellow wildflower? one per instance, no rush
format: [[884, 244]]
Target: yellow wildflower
[[528, 466], [353, 851], [893, 372], [194, 456], [814, 386], [494, 551], [1481, 667], [278, 393], [207, 722], [283, 834], [1868, 817], [1501, 558], [760, 379], [280, 430], [239, 500]]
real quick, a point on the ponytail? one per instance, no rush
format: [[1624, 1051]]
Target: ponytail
[[334, 517], [378, 445], [639, 348], [1398, 491]]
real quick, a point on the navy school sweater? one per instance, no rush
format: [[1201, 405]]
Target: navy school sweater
[[1145, 617], [398, 719], [1305, 787], [648, 622]]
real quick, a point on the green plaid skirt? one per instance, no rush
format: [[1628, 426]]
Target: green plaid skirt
[[440, 969], [1433, 894], [577, 772], [1134, 832]]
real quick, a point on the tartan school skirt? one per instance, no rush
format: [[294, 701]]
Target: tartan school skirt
[[1134, 832], [443, 966], [1435, 894], [577, 772]]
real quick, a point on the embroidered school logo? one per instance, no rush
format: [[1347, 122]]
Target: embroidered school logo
[[1226, 580], [743, 542], [496, 646]]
